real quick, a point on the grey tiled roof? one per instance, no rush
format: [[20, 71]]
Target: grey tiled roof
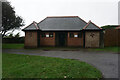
[[91, 26], [62, 23]]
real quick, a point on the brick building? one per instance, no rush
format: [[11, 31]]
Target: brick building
[[63, 31]]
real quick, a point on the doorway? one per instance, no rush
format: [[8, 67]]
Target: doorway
[[61, 38]]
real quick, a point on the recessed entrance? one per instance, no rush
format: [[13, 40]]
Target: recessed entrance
[[61, 38]]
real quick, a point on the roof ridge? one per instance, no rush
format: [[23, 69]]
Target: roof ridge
[[92, 23], [61, 16], [82, 19], [42, 20], [35, 24], [86, 25]]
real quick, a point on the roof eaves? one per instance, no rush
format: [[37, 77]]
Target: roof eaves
[[60, 30]]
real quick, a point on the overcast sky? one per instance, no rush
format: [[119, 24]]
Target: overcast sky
[[100, 12]]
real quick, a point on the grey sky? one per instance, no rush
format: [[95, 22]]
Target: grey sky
[[101, 12]]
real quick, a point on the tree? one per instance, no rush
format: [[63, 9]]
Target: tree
[[17, 35], [11, 35], [10, 20]]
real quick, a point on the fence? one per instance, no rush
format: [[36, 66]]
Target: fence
[[112, 37]]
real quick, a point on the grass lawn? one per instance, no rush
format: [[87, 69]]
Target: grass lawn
[[29, 66], [112, 49], [12, 46]]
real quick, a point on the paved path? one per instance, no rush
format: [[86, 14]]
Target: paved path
[[106, 62]]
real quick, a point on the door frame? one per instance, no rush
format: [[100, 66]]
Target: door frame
[[57, 39]]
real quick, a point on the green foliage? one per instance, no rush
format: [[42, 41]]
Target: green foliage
[[11, 35], [17, 35], [112, 49], [107, 49], [29, 66], [109, 27], [9, 19]]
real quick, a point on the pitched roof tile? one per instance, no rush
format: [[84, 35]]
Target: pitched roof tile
[[91, 26], [62, 23]]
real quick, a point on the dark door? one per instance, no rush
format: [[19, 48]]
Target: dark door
[[60, 38]]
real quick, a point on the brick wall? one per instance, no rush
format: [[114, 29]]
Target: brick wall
[[47, 41], [75, 41], [30, 38], [92, 39]]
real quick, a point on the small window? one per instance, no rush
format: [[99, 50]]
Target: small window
[[80, 35], [71, 35], [51, 35], [76, 35], [47, 35], [43, 34]]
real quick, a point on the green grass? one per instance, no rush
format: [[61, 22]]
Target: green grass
[[29, 66], [12, 46], [112, 49]]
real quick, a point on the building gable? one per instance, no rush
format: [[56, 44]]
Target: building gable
[[91, 26], [62, 23], [32, 26]]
